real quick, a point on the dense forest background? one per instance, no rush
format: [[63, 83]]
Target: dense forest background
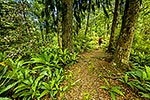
[[40, 38]]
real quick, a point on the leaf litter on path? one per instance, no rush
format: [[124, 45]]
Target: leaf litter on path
[[86, 77]]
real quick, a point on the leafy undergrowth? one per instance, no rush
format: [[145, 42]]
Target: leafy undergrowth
[[34, 78], [94, 78]]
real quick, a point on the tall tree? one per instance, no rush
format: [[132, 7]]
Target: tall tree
[[114, 25], [67, 16], [88, 18], [124, 43], [58, 32]]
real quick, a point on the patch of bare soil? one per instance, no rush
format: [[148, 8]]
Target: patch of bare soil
[[88, 75]]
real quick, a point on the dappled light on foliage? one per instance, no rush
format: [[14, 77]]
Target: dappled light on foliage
[[52, 49]]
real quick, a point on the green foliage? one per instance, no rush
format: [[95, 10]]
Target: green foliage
[[4, 98], [84, 43], [2, 56], [112, 90], [86, 96], [16, 25], [57, 56], [140, 52], [125, 80], [41, 75], [22, 28], [11, 16], [139, 79]]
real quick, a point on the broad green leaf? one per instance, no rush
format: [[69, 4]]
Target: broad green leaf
[[126, 78], [26, 98], [43, 94], [19, 86], [26, 93], [31, 79], [49, 72], [55, 92], [33, 94], [116, 87], [108, 84], [20, 63], [65, 51], [38, 67], [36, 82], [56, 85], [131, 85], [8, 87], [121, 80], [57, 72], [21, 89], [140, 88], [145, 95], [62, 60], [44, 73], [38, 60], [17, 61], [112, 94], [16, 94], [29, 98], [148, 71], [20, 75], [47, 86], [26, 82], [55, 57], [147, 87], [139, 73], [116, 90], [65, 88], [144, 75], [3, 72], [58, 77], [52, 94], [52, 83], [104, 87]]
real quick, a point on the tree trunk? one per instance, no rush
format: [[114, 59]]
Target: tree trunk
[[88, 17], [124, 43], [46, 21], [42, 35], [87, 24], [47, 29], [77, 28], [58, 34], [114, 25], [67, 16], [108, 27]]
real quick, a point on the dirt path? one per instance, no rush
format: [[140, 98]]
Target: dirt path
[[88, 75]]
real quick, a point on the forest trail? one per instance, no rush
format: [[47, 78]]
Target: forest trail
[[88, 74]]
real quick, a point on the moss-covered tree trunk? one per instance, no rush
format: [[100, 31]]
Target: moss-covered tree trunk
[[124, 43], [58, 34], [46, 21], [114, 25], [67, 16]]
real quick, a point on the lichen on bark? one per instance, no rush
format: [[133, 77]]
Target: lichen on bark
[[125, 40]]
